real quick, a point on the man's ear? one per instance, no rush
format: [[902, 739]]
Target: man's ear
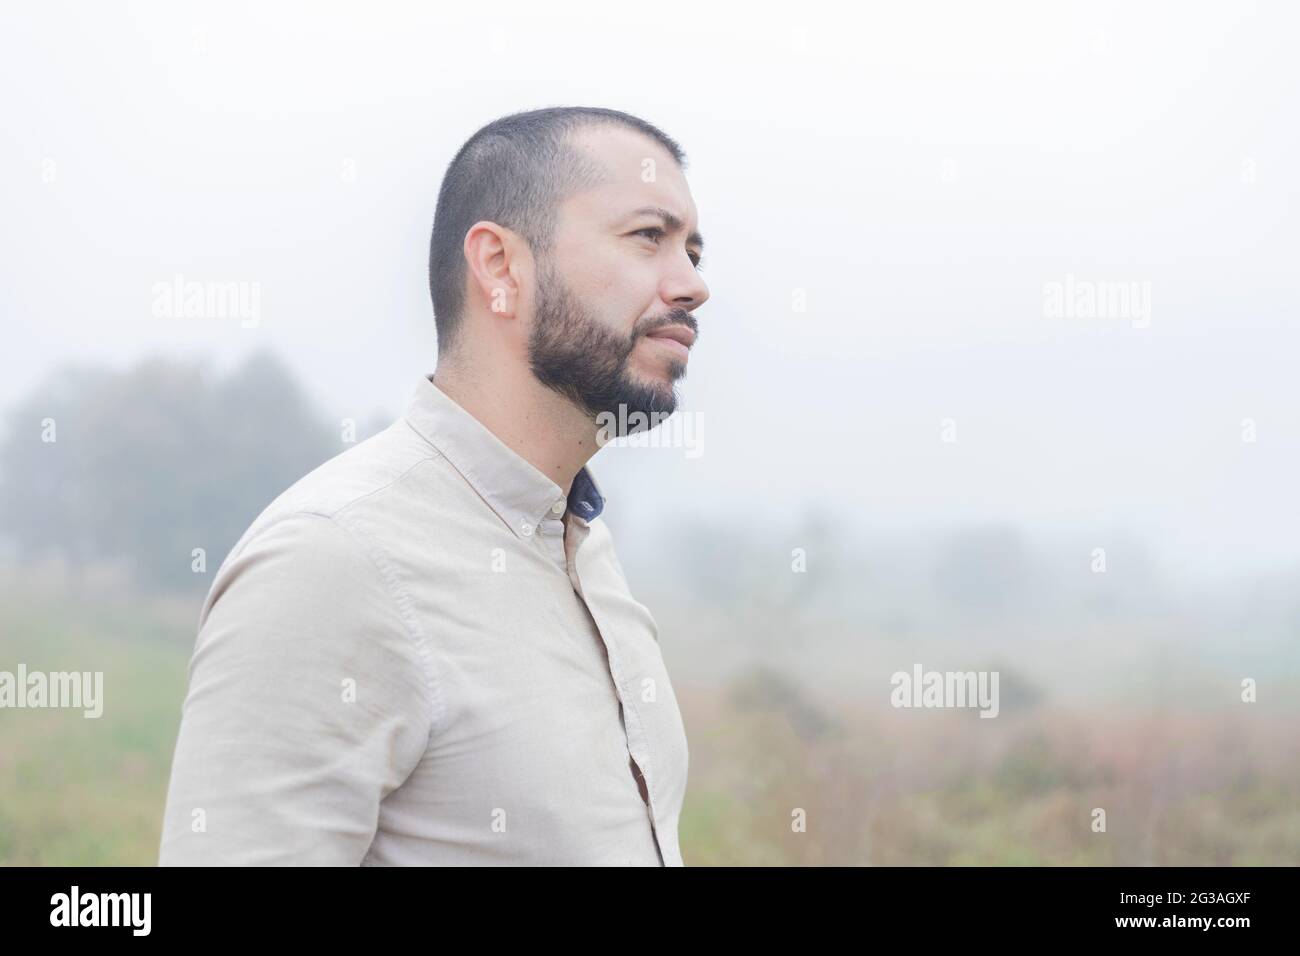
[[492, 263]]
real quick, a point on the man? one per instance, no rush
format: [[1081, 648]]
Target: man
[[425, 651]]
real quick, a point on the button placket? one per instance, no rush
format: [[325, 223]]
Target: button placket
[[638, 743], [573, 538], [549, 531]]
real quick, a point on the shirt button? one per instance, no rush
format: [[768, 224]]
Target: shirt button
[[558, 508]]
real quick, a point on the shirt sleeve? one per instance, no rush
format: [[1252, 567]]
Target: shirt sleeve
[[308, 702]]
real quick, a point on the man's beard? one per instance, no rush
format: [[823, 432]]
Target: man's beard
[[573, 353]]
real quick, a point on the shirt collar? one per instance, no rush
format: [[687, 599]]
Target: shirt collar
[[520, 494]]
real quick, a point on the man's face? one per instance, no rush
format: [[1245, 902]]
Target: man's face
[[619, 285]]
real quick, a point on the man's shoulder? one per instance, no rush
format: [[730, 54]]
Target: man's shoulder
[[370, 474], [362, 471]]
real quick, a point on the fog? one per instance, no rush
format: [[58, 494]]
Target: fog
[[885, 200]]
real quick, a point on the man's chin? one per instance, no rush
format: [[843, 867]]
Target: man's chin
[[659, 396], [639, 413]]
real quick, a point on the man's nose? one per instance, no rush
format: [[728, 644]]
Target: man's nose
[[686, 288]]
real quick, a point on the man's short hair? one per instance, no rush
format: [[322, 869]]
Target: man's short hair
[[515, 171]]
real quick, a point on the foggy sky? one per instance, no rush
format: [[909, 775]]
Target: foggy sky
[[915, 177]]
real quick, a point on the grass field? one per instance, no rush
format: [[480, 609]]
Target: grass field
[[1179, 786], [81, 791]]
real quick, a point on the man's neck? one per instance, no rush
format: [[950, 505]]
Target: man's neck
[[539, 425]]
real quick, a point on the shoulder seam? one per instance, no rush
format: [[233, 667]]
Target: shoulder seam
[[378, 558], [384, 487], [376, 555], [434, 703]]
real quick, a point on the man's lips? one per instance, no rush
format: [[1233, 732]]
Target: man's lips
[[677, 333]]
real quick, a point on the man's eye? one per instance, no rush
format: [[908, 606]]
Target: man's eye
[[654, 234]]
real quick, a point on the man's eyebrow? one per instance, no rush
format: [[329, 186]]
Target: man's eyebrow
[[671, 222]]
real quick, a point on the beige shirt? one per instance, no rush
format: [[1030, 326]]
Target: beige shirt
[[423, 653]]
